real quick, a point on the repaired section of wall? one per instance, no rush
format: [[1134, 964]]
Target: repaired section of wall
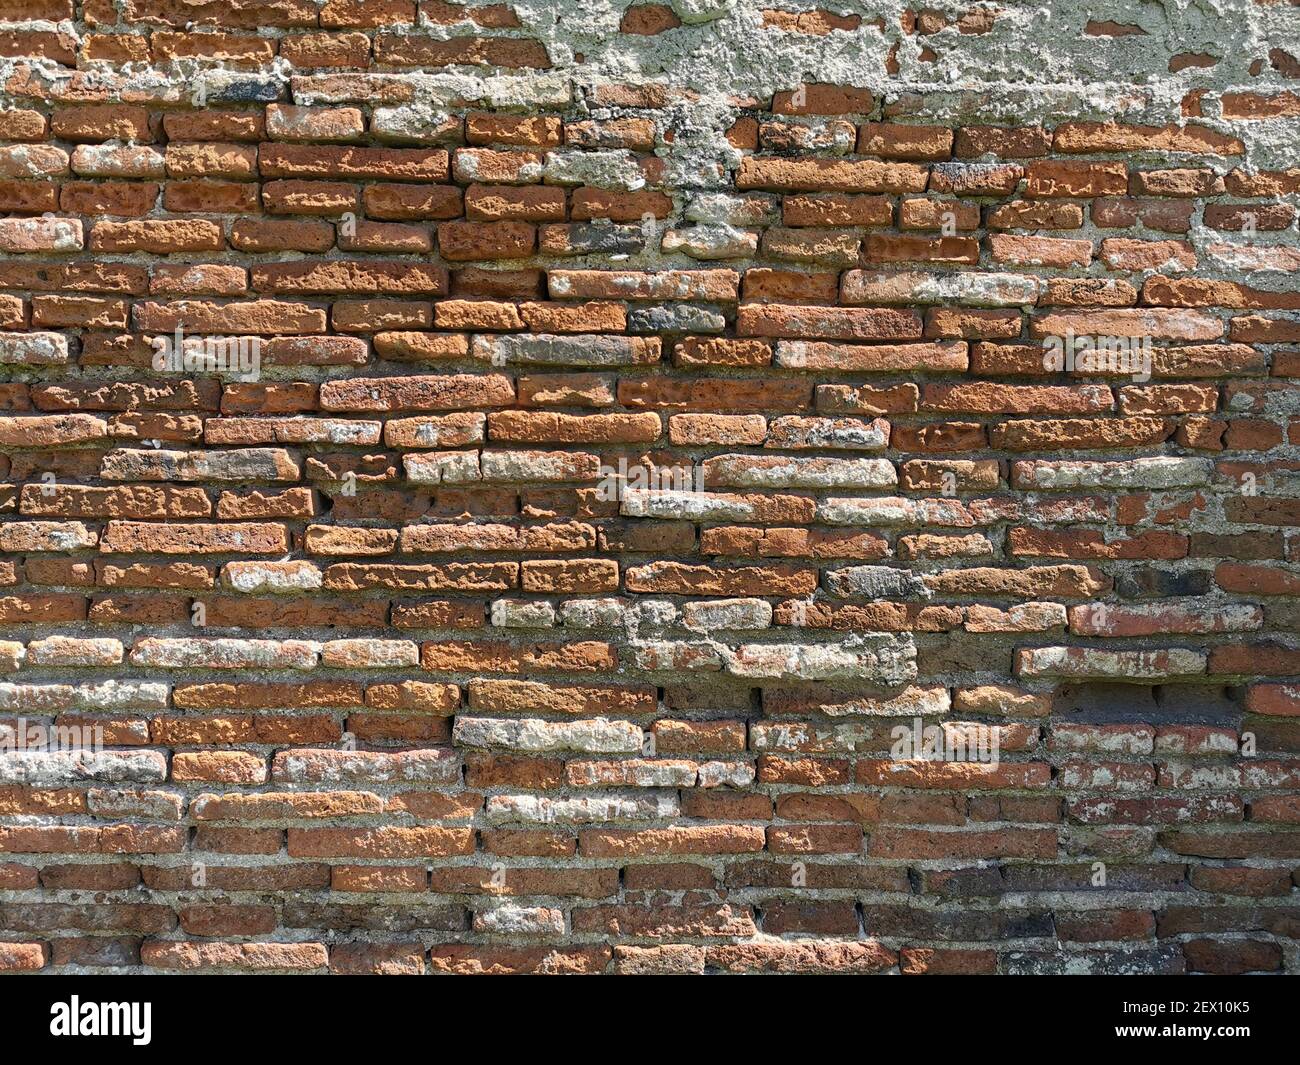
[[716, 486]]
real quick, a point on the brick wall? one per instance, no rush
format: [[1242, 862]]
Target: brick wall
[[621, 431]]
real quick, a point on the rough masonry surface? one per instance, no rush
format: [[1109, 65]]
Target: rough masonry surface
[[713, 486]]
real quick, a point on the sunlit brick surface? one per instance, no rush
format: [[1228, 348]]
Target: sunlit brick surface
[[699, 488]]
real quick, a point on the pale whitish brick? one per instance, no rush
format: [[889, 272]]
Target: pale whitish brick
[[813, 739], [1251, 775], [442, 467], [726, 774], [509, 919], [74, 651], [749, 210], [538, 90], [1213, 742], [271, 577], [676, 655], [545, 349], [656, 612], [66, 768], [633, 773], [875, 582], [884, 510], [910, 702], [33, 349], [971, 735], [1132, 739], [895, 510], [840, 434], [414, 124], [644, 285], [772, 471], [225, 653], [711, 241], [726, 614], [886, 659], [613, 169], [1198, 776], [130, 802], [323, 766], [968, 288], [96, 695], [598, 735], [786, 735], [1252, 260], [687, 506], [41, 234], [543, 466], [583, 809], [517, 614], [614, 613], [12, 654], [46, 536], [1100, 777], [1156, 472], [117, 161], [369, 654], [244, 464], [608, 613], [1100, 663]]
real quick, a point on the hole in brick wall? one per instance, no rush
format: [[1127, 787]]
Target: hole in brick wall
[[1188, 704], [1210, 704]]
